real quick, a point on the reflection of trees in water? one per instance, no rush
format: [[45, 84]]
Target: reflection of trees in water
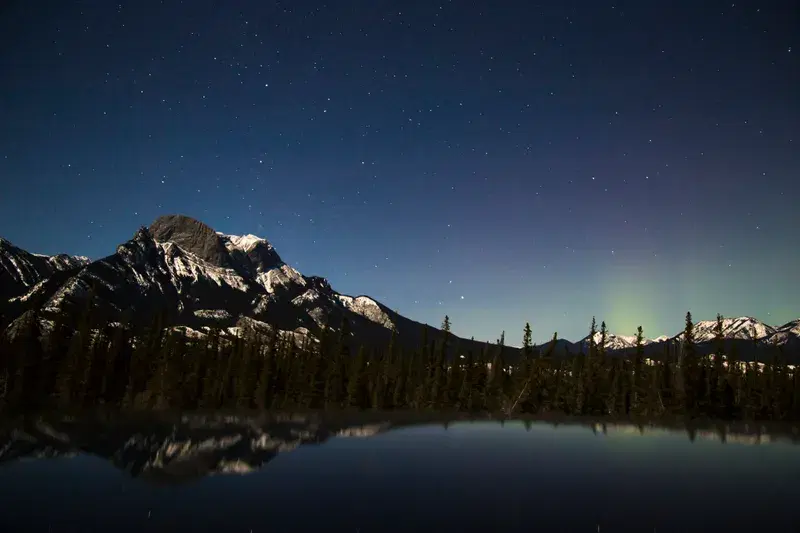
[[174, 449]]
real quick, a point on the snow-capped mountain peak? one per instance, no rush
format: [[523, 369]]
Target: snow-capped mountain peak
[[368, 308], [791, 327], [21, 270], [787, 334], [244, 243], [743, 327], [207, 278], [615, 342]]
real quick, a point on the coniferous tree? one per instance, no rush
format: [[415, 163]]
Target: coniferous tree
[[55, 348], [688, 366], [638, 359], [355, 380], [465, 398], [717, 381], [210, 382], [119, 366], [496, 387], [601, 349], [27, 354], [527, 340], [266, 375], [588, 373]]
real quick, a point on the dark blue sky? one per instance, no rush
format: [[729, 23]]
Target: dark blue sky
[[495, 161]]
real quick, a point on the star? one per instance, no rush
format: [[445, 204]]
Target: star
[[475, 116]]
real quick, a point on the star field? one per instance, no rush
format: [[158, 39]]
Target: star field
[[499, 162]]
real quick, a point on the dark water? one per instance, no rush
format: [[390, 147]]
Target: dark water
[[279, 473]]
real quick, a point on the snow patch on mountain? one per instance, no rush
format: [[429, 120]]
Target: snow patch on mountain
[[64, 262], [215, 314], [74, 286], [33, 290], [189, 333], [186, 266], [283, 276], [787, 334], [246, 327], [244, 243], [368, 308], [743, 327], [792, 327], [615, 342], [27, 269], [309, 296], [318, 316]]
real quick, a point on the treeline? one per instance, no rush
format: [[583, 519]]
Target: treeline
[[158, 368]]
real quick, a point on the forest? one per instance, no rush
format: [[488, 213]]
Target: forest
[[121, 367]]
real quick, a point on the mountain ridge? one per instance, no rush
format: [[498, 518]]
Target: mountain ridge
[[200, 277], [206, 278]]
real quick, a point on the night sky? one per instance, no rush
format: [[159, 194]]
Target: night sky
[[499, 162]]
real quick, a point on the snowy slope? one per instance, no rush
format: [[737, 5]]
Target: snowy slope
[[203, 278], [368, 308], [187, 268], [282, 277], [243, 243], [786, 335], [792, 327], [739, 328], [20, 270], [743, 327], [616, 342]]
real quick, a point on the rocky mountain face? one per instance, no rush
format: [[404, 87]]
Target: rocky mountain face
[[20, 270], [184, 273]]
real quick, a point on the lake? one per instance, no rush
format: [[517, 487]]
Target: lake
[[374, 473]]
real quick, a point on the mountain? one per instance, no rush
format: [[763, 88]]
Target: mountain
[[615, 342], [747, 336], [183, 273], [21, 270], [743, 327], [786, 335]]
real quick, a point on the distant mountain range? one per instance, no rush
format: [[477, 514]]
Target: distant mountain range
[[740, 328], [197, 278]]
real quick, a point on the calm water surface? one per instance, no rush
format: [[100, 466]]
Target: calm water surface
[[300, 474]]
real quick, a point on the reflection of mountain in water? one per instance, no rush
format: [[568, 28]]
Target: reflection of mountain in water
[[170, 450], [175, 449]]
